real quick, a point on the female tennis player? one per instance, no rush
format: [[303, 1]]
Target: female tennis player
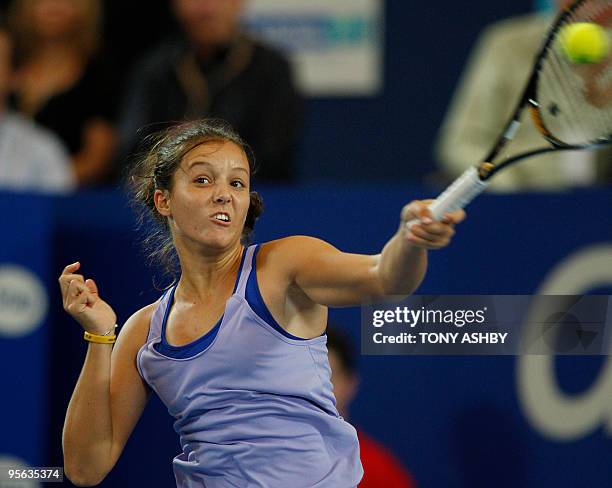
[[235, 347]]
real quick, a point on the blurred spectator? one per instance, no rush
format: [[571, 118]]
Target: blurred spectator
[[214, 70], [381, 467], [487, 94], [31, 159], [62, 82]]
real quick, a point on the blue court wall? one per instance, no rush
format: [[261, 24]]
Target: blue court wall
[[453, 421], [25, 274]]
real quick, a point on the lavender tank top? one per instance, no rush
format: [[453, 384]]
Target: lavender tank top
[[253, 406]]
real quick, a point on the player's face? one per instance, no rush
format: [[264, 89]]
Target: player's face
[[208, 22], [210, 199]]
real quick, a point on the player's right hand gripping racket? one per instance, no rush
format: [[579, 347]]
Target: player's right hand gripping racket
[[570, 104]]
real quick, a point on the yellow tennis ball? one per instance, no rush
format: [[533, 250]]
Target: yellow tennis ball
[[585, 42]]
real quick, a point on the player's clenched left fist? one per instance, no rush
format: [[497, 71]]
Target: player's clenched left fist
[[421, 230]]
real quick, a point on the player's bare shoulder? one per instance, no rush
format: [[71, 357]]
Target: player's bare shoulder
[[135, 330], [281, 256], [284, 259], [292, 248]]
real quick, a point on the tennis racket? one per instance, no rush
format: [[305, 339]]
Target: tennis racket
[[570, 105]]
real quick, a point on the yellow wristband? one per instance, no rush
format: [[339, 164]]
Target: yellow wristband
[[100, 339]]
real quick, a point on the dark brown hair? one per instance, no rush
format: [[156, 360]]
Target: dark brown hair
[[154, 169], [340, 343]]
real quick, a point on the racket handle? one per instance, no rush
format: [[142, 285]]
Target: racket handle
[[461, 192]]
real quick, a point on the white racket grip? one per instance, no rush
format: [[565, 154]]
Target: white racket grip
[[461, 192]]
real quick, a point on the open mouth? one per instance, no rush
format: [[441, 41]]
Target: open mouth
[[222, 217]]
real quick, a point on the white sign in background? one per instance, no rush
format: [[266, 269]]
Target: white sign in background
[[336, 47], [23, 301], [551, 411]]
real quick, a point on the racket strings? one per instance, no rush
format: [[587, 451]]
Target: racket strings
[[600, 12], [563, 106], [585, 124], [602, 15], [575, 100]]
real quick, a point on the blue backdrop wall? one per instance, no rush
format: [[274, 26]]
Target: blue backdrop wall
[[453, 421]]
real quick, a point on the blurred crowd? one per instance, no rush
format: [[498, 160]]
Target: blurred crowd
[[70, 119], [73, 113]]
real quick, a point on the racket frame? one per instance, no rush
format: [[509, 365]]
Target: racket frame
[[475, 179], [488, 168]]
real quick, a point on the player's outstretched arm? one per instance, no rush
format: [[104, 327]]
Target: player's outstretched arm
[[110, 395], [403, 260], [334, 278]]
